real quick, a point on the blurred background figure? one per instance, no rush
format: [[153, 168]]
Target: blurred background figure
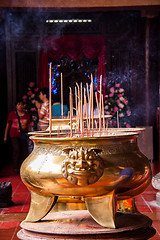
[[56, 107], [43, 109], [17, 139]]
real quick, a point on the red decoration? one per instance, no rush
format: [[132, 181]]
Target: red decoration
[[73, 47]]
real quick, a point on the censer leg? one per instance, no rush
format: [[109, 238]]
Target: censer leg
[[102, 209], [40, 206]]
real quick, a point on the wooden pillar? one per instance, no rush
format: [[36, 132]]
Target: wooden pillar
[[159, 97], [147, 36], [148, 14]]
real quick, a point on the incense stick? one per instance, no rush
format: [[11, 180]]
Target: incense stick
[[81, 109], [85, 107], [70, 98], [90, 99], [76, 100], [50, 100], [103, 112], [117, 119], [97, 102], [92, 102], [100, 107], [61, 95]]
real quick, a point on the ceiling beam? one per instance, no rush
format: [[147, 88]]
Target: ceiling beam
[[76, 3]]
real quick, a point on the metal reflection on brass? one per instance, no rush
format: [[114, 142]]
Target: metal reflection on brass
[[100, 170], [82, 166]]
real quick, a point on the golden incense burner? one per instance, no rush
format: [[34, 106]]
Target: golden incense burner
[[84, 159], [101, 169]]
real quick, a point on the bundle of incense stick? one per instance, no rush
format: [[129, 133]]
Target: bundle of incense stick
[[84, 101], [84, 106]]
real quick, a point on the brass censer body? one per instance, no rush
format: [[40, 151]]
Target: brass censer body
[[100, 169]]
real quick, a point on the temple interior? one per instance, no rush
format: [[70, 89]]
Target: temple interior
[[72, 32]]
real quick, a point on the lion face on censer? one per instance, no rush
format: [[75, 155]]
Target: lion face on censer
[[82, 167]]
